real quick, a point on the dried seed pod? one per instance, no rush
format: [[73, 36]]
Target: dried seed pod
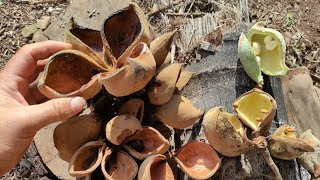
[[184, 78], [118, 165], [76, 68], [89, 42], [311, 160], [134, 107], [67, 138], [269, 47], [155, 167], [134, 75], [146, 143], [225, 132], [198, 160], [256, 109], [161, 46], [121, 127], [120, 39], [165, 84], [86, 159], [178, 112], [284, 144]]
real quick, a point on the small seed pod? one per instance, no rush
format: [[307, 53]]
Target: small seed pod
[[311, 160], [67, 138], [86, 159], [134, 75], [284, 144], [79, 70], [155, 167], [134, 107], [178, 112], [198, 160], [121, 127], [225, 132], [146, 143], [164, 84], [120, 39], [161, 46], [256, 109], [118, 165]]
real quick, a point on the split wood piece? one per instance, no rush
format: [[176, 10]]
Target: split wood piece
[[302, 104]]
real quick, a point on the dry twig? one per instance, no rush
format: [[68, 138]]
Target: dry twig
[[149, 14]]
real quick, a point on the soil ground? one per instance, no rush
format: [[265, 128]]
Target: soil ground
[[298, 20]]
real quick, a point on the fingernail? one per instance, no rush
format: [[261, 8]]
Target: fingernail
[[78, 103]]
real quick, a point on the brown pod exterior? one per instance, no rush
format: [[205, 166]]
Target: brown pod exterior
[[198, 160], [155, 167], [145, 143], [118, 165], [164, 84], [86, 159], [183, 80], [70, 135], [160, 47], [178, 112], [225, 132]]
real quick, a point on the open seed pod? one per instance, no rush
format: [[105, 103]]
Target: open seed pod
[[134, 107], [118, 165], [161, 46], [146, 143], [256, 109], [225, 132], [184, 78], [86, 159], [264, 50], [137, 71], [178, 112], [198, 160], [76, 68], [67, 138], [120, 39], [121, 127], [311, 160], [284, 144], [155, 167], [165, 84]]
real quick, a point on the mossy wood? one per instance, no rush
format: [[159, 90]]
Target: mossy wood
[[218, 80]]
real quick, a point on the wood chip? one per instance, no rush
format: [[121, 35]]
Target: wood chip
[[43, 22], [29, 30]]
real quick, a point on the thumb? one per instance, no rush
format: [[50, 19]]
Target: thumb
[[54, 110]]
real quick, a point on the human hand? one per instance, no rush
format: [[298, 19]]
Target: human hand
[[20, 114]]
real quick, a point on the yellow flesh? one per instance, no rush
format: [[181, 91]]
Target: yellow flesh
[[270, 60], [249, 108], [236, 123]]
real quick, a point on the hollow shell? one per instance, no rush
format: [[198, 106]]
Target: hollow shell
[[164, 84], [134, 107], [284, 144], [256, 109], [121, 127], [86, 159], [123, 31], [198, 160], [225, 132], [79, 70], [178, 112], [67, 138], [155, 167], [161, 46], [146, 143], [134, 75], [311, 160], [118, 165]]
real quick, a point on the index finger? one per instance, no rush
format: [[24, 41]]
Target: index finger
[[24, 62]]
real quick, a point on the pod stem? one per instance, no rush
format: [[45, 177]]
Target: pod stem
[[266, 155]]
